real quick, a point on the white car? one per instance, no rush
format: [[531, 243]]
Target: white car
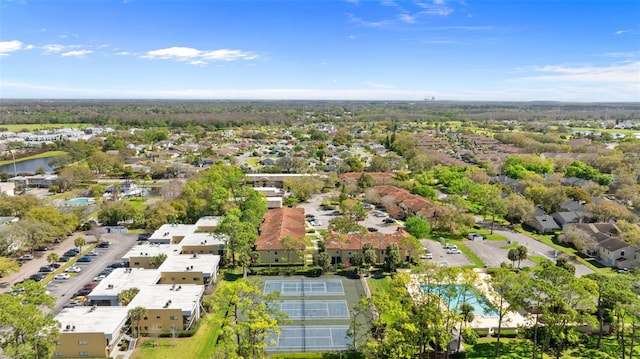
[[99, 278], [73, 269], [61, 276], [92, 253], [453, 251], [426, 256]]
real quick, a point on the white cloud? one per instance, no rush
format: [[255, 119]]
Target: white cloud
[[620, 32], [622, 73], [53, 48], [409, 19], [76, 53], [352, 37], [555, 93], [199, 57], [378, 85], [9, 46], [436, 7]]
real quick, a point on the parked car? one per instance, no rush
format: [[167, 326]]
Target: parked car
[[70, 254], [72, 304], [372, 229], [450, 246], [25, 257], [104, 244], [42, 249], [426, 256], [61, 276], [37, 277], [73, 269], [378, 214], [315, 223], [92, 253], [144, 236], [46, 269], [82, 292], [90, 285], [99, 278], [117, 265], [388, 221], [84, 259], [55, 265], [64, 259], [453, 251]]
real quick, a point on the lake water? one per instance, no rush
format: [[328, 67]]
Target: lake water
[[29, 166]]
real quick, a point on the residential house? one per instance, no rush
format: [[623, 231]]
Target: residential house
[[107, 292], [543, 224], [170, 307], [89, 331], [614, 252], [278, 224], [402, 203], [272, 179], [379, 178], [190, 269], [7, 188], [342, 247]]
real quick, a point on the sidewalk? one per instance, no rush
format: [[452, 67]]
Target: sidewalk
[[40, 259]]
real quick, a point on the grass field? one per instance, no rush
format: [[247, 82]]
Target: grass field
[[29, 127], [41, 155]]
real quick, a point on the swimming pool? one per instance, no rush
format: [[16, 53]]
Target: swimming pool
[[80, 201], [455, 295]]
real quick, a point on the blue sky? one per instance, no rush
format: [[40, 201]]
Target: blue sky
[[321, 49]]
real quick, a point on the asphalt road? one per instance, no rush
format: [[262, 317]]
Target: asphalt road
[[441, 256], [313, 208], [492, 255], [540, 249], [63, 290]]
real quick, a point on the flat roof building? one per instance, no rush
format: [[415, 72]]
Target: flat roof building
[[89, 331], [171, 233], [169, 306], [107, 291], [190, 269], [141, 255]]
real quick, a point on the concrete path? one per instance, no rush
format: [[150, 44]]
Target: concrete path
[[537, 248]]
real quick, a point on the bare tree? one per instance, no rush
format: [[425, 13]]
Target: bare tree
[[172, 189]]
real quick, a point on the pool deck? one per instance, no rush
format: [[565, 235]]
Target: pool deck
[[511, 320]]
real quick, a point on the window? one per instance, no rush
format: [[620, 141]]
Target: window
[[84, 354], [276, 252], [136, 263], [57, 342], [158, 317], [58, 354], [82, 342], [622, 253], [173, 317], [195, 279]]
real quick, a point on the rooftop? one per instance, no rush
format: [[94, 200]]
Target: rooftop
[[184, 297], [196, 239], [168, 231], [208, 221], [124, 278], [279, 223], [107, 320], [151, 250], [203, 263]]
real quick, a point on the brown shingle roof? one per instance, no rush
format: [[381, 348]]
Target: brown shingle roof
[[280, 223], [355, 241], [410, 201]]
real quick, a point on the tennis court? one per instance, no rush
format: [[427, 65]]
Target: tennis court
[[304, 287], [310, 338], [315, 309]]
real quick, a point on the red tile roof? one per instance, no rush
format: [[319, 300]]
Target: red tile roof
[[408, 200], [280, 223], [355, 241]]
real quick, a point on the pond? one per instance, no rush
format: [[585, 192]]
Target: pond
[[29, 166]]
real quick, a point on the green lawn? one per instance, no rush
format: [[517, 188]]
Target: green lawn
[[41, 155], [41, 126], [201, 345]]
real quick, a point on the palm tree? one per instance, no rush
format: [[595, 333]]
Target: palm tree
[[52, 257], [80, 242], [137, 314]]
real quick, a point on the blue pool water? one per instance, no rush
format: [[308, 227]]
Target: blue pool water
[[78, 202], [457, 294]]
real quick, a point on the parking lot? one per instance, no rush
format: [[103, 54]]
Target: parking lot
[[313, 208], [491, 253], [63, 290], [441, 256]]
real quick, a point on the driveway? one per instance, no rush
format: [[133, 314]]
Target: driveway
[[441, 256], [313, 208], [537, 248], [491, 253]]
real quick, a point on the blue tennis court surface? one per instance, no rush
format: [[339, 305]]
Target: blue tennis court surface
[[315, 309], [310, 338], [304, 287]]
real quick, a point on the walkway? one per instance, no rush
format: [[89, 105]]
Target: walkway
[[537, 248]]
